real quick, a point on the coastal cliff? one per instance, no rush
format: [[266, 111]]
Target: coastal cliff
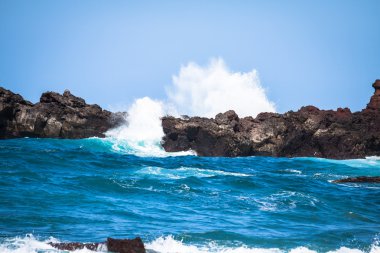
[[308, 132], [55, 116]]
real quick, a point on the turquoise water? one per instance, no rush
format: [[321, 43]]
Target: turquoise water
[[87, 190]]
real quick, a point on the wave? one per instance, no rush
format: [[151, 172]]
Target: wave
[[142, 134], [185, 172], [142, 148], [369, 161], [31, 244], [169, 245]]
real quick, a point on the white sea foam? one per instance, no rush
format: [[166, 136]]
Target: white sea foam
[[143, 133], [30, 244], [199, 91], [285, 200], [170, 245], [370, 161], [294, 171], [184, 172], [208, 90]]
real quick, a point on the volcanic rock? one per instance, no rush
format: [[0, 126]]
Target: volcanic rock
[[374, 103], [359, 180], [309, 132], [71, 246], [55, 116], [113, 245], [125, 245]]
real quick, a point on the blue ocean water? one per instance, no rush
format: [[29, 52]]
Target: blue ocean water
[[87, 190]]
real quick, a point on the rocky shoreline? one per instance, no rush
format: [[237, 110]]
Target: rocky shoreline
[[55, 116], [309, 132]]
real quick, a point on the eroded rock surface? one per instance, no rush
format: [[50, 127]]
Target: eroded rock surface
[[338, 134], [113, 245], [55, 116]]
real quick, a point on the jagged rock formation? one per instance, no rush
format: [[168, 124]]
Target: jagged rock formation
[[308, 132], [55, 116]]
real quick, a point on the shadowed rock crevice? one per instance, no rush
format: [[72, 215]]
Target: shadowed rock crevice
[[309, 132], [55, 116]]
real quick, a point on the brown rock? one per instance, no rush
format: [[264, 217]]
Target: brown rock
[[75, 246], [359, 180], [125, 245], [113, 245], [374, 103], [55, 116], [308, 132]]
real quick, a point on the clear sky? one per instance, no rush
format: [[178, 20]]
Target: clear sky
[[325, 53]]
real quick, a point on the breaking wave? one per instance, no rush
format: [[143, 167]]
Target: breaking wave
[[198, 91], [167, 244], [142, 134]]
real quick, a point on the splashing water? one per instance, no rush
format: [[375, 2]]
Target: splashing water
[[167, 244], [201, 91], [143, 132], [206, 91]]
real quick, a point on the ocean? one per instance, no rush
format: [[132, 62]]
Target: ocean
[[87, 190]]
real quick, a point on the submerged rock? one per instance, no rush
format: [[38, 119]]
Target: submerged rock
[[309, 132], [113, 245], [358, 180], [76, 246], [125, 245], [55, 116]]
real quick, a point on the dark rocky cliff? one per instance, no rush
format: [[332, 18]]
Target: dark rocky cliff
[[308, 132], [55, 116]]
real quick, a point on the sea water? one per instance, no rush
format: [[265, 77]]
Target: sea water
[[87, 190]]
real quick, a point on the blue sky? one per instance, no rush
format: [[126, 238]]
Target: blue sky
[[325, 53]]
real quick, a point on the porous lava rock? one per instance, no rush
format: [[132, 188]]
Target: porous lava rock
[[54, 116], [113, 245], [308, 132]]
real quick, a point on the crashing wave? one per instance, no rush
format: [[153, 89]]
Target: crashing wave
[[31, 244]]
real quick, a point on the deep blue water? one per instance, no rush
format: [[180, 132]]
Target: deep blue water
[[88, 190]]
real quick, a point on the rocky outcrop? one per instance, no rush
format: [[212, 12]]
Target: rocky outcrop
[[309, 132], [55, 116], [358, 180], [113, 245]]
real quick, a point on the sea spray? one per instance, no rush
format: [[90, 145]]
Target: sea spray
[[142, 133], [207, 90]]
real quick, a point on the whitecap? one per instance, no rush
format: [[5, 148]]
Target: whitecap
[[185, 172], [30, 244], [170, 245]]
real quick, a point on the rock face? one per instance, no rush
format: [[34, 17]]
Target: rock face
[[308, 132], [55, 116], [113, 245], [125, 245]]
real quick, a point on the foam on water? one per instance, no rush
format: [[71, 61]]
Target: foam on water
[[142, 134], [169, 245], [369, 161], [184, 172], [30, 244]]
